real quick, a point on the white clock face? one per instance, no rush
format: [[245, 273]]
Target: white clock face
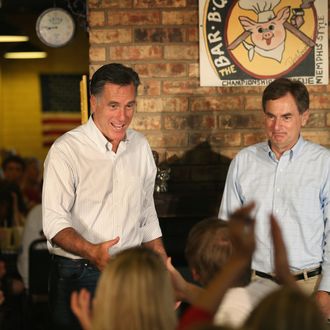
[[55, 27]]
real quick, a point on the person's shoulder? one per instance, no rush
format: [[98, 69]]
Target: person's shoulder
[[315, 149], [252, 150], [68, 138], [132, 133], [234, 308], [259, 288], [136, 137], [34, 217], [36, 210]]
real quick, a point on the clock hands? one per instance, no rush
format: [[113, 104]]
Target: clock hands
[[50, 27]]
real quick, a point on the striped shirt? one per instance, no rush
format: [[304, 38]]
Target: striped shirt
[[99, 193], [296, 189]]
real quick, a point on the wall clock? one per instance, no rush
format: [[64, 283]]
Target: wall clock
[[55, 27]]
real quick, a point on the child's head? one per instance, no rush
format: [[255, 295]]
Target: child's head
[[134, 292], [207, 249]]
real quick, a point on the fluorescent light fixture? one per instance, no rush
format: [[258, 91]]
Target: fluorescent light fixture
[[8, 38], [25, 51], [9, 33]]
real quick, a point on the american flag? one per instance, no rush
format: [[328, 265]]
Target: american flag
[[55, 124], [61, 104]]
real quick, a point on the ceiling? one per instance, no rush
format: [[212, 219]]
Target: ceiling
[[9, 9], [21, 16], [37, 6]]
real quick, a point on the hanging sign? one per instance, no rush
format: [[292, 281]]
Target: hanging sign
[[252, 42]]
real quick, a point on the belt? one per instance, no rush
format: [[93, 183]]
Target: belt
[[300, 276], [84, 262]]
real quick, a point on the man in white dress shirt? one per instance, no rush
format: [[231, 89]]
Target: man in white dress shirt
[[98, 191]]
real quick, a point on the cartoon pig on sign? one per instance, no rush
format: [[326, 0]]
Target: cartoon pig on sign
[[268, 34]]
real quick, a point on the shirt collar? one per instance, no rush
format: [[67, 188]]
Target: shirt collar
[[293, 152]]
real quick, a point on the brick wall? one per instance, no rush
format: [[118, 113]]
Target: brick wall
[[197, 130]]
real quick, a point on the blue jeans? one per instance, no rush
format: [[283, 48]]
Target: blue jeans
[[66, 276]]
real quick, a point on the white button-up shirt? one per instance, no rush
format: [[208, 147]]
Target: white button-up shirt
[[99, 193]]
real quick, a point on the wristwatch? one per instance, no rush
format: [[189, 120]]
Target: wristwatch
[[55, 27]]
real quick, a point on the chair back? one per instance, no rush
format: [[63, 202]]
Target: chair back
[[39, 266]]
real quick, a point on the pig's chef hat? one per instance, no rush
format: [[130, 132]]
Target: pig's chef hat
[[263, 8]]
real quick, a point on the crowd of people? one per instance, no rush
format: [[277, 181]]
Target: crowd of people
[[263, 263], [137, 291], [20, 197]]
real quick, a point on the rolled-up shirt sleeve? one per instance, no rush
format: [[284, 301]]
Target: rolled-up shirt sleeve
[[149, 219], [58, 193], [231, 199]]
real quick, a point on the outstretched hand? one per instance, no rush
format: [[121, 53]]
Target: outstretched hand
[[101, 254], [81, 307], [179, 283], [184, 291]]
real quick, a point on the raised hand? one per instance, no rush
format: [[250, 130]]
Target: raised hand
[[81, 307], [241, 230]]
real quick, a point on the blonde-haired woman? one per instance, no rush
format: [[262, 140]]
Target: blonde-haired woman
[[134, 293]]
